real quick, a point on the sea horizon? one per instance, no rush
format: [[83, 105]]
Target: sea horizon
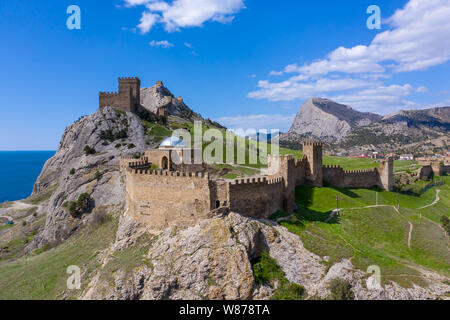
[[19, 170]]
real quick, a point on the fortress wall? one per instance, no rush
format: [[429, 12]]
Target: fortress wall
[[220, 194], [425, 172], [161, 198], [121, 101], [300, 171], [446, 169], [361, 179], [257, 197], [126, 162], [156, 156], [333, 176], [336, 176]]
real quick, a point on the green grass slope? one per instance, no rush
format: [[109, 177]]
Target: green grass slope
[[376, 235]]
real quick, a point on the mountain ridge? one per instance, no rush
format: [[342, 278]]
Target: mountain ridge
[[348, 131]]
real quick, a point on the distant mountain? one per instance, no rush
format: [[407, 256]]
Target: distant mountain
[[347, 131], [327, 120]]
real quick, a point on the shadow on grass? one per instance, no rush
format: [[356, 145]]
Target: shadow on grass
[[303, 214], [347, 192]]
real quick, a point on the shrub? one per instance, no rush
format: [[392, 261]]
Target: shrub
[[72, 171], [80, 206], [122, 134], [341, 290], [88, 150], [97, 175], [131, 146], [118, 146], [107, 135]]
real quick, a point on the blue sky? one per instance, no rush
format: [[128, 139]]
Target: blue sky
[[246, 63]]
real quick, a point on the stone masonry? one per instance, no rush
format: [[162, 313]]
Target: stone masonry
[[165, 197]]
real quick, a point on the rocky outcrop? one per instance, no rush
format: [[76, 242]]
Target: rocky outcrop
[[97, 174], [212, 260], [327, 120], [158, 96]]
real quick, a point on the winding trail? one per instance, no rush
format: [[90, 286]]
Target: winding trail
[[434, 202]]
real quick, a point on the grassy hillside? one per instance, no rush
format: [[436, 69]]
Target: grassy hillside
[[376, 235], [42, 275]]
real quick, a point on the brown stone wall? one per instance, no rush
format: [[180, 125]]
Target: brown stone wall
[[335, 176], [426, 172], [386, 173], [312, 151], [127, 99], [162, 198], [257, 197], [157, 156], [126, 162]]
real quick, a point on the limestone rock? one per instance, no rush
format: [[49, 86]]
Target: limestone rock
[[212, 260], [327, 120], [105, 187]]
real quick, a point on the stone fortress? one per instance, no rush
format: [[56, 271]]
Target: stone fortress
[[178, 195]]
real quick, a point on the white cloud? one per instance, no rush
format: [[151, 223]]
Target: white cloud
[[258, 121], [418, 38], [276, 73], [162, 44], [292, 88], [188, 45], [179, 14], [147, 21]]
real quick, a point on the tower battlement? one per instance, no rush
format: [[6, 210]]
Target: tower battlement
[[128, 98]]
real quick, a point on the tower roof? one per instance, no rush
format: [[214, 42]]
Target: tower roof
[[172, 142]]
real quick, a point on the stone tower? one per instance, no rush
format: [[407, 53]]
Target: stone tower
[[284, 166], [312, 151], [127, 99], [386, 172], [133, 84]]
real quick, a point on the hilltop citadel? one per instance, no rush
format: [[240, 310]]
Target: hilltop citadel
[[172, 196]]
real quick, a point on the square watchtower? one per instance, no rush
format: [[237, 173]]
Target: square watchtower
[[312, 151], [127, 99]]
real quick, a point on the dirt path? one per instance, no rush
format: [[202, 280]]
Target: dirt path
[[434, 202], [411, 228], [16, 205], [375, 206]]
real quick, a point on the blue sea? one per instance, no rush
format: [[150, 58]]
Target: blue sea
[[18, 172]]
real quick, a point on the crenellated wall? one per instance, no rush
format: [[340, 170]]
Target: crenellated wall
[[127, 99], [257, 197], [161, 198], [167, 198]]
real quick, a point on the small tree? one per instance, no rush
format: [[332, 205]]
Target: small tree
[[80, 206], [88, 150], [72, 171], [341, 290]]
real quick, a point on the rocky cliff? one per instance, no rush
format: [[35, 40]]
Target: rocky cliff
[[349, 132], [327, 120]]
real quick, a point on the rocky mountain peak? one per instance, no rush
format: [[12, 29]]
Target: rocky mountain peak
[[327, 120], [158, 96]]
